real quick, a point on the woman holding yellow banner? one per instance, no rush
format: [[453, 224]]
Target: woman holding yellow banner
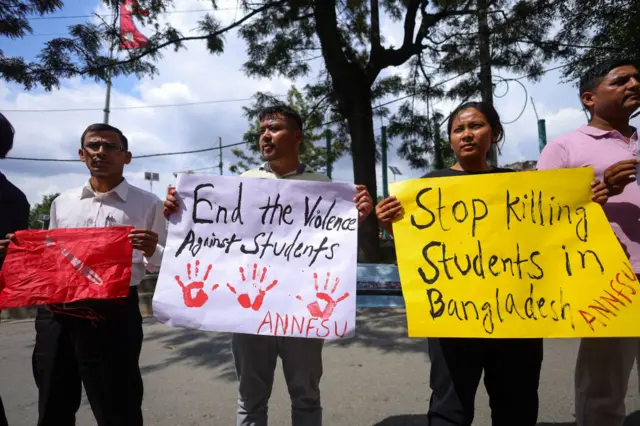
[[511, 366]]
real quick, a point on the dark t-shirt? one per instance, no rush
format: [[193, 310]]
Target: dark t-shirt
[[451, 172], [14, 210]]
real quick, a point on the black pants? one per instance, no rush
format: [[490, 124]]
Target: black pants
[[102, 354], [511, 376]]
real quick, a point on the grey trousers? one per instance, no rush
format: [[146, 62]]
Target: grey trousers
[[602, 378], [255, 360]]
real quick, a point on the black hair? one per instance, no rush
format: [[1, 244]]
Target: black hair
[[594, 75], [485, 109], [284, 110], [6, 136], [103, 127]]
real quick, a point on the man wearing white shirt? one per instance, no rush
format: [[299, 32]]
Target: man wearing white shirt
[[97, 343]]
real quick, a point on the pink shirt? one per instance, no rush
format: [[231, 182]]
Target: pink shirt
[[589, 146]]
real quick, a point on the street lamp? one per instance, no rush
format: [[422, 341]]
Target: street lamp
[[43, 219], [396, 172], [151, 177]]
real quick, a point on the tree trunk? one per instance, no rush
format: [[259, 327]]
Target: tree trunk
[[363, 150], [352, 86], [484, 50]]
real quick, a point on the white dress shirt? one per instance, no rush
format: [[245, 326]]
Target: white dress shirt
[[123, 205]]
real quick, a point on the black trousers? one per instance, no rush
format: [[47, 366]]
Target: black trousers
[[511, 376], [102, 354]]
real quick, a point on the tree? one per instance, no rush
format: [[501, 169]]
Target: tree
[[499, 36], [286, 36], [283, 36], [596, 30], [349, 38], [314, 133], [423, 144], [44, 207]]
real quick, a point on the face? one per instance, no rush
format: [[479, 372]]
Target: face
[[471, 135], [618, 93], [279, 138], [104, 154]]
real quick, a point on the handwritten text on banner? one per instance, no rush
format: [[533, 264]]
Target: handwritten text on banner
[[260, 256], [512, 255]]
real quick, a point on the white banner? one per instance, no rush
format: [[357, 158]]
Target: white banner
[[260, 256]]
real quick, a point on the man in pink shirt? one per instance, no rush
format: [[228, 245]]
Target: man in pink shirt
[[609, 144]]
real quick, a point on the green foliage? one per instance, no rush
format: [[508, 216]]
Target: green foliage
[[423, 144], [86, 51], [593, 31], [440, 41], [43, 207]]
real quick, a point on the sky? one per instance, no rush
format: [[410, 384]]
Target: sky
[[194, 75]]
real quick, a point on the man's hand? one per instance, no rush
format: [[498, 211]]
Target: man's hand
[[5, 243], [388, 211], [144, 240], [600, 192], [619, 175], [364, 203], [171, 204]]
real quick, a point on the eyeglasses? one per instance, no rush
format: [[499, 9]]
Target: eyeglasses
[[106, 146]]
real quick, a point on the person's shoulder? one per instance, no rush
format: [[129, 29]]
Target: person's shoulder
[[441, 173], [312, 175], [258, 172], [566, 139], [143, 195], [502, 170], [12, 192], [73, 193]]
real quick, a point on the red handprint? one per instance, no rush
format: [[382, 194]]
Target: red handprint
[[314, 307], [201, 297], [244, 299]]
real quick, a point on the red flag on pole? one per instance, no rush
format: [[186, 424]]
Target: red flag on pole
[[66, 265], [130, 37]]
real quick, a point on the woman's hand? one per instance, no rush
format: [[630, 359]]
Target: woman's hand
[[388, 211], [364, 203]]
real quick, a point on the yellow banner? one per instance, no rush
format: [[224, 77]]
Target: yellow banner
[[512, 255]]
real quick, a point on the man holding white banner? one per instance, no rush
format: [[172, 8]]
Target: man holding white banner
[[284, 279]]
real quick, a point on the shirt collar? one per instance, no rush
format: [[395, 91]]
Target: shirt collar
[[302, 168], [599, 133], [122, 190]]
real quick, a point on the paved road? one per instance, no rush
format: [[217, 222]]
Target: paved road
[[378, 379]]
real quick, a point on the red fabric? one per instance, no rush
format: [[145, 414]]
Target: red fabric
[[66, 265], [130, 37]]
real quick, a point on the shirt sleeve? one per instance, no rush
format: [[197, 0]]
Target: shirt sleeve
[[553, 156], [158, 225]]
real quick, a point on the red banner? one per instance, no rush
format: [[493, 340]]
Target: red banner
[[66, 265]]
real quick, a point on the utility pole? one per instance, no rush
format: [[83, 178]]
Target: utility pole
[[327, 136], [542, 128], [484, 51], [385, 180], [107, 100], [220, 153]]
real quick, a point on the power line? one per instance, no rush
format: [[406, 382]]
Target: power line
[[37, 18], [75, 160], [216, 101]]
